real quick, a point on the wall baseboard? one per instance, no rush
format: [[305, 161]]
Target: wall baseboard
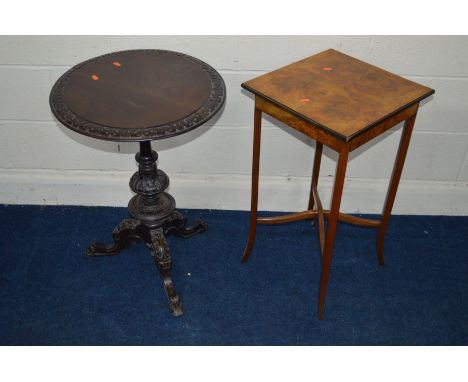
[[230, 192]]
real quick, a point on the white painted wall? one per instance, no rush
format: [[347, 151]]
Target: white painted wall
[[41, 162]]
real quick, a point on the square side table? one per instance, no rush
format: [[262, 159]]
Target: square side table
[[340, 102]]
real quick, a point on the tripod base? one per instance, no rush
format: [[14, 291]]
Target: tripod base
[[153, 218]]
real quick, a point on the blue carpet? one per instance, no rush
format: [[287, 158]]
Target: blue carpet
[[52, 294]]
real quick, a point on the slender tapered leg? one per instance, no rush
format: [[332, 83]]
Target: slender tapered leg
[[331, 229], [315, 172], [123, 235], [255, 172], [393, 186]]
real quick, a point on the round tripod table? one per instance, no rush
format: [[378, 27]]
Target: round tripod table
[[141, 95]]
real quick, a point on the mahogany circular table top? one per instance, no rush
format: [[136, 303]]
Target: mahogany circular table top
[[137, 95]]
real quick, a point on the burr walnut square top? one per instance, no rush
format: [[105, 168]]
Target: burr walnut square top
[[338, 93]]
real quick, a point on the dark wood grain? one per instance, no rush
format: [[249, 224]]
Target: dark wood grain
[[147, 89], [150, 94], [153, 218], [338, 93], [142, 95]]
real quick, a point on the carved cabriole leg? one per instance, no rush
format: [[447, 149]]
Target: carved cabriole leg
[[154, 215], [123, 235], [393, 186], [255, 175], [176, 225], [156, 210], [156, 241], [331, 229]]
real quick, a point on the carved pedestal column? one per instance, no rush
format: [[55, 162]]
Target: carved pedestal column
[[153, 217]]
